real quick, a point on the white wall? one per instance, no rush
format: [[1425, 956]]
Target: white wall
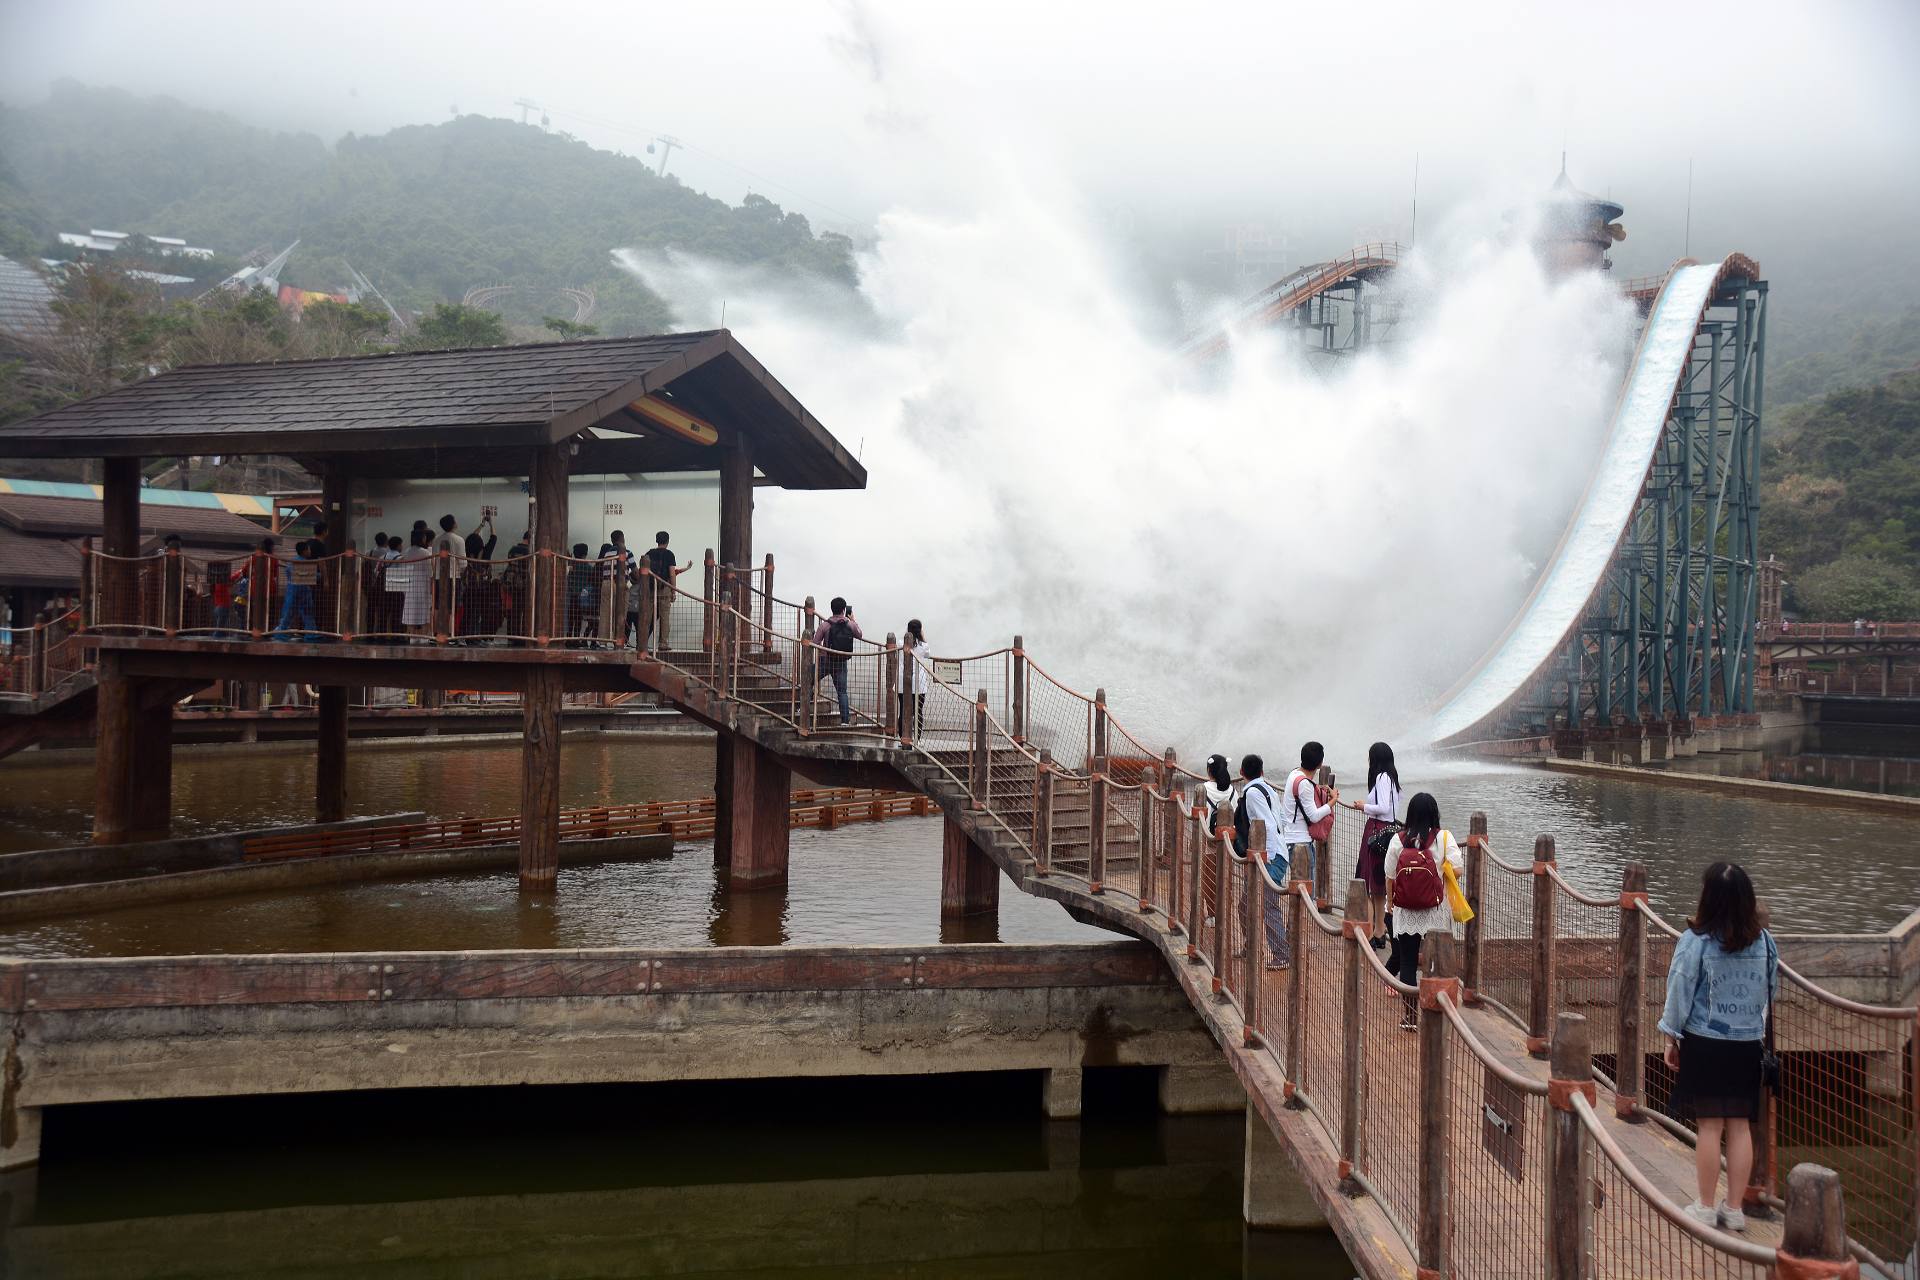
[[685, 504]]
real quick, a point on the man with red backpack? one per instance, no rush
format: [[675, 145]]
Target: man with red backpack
[[1305, 806], [1417, 890]]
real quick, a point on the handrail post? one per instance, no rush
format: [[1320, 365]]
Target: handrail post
[[1171, 830], [37, 660], [1323, 854], [1043, 813], [1541, 1004], [89, 581], [1630, 1066], [1148, 812], [1222, 850], [1476, 890], [1253, 934], [707, 620], [173, 593], [766, 600], [643, 583], [1097, 825], [1296, 983], [442, 597], [1100, 723], [1814, 1239], [890, 711], [1569, 1153], [1434, 1132], [1197, 899], [807, 679], [1019, 726], [1355, 930], [980, 756]]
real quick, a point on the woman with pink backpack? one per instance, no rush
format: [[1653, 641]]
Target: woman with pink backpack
[[1417, 890]]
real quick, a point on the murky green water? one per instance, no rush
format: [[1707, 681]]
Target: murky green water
[[943, 1176]]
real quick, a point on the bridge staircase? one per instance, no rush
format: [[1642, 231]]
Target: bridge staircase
[[1506, 1116]]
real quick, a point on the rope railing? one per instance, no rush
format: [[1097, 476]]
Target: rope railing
[[41, 658]]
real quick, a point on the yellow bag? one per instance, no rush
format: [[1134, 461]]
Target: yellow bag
[[1455, 897]]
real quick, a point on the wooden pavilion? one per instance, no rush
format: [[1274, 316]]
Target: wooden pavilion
[[688, 402]]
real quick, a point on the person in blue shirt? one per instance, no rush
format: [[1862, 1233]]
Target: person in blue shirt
[[1722, 982]]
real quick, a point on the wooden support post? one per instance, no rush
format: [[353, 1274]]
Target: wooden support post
[[969, 880], [1174, 826], [1434, 1138], [1814, 1240], [1149, 850], [1630, 1066], [1541, 1007], [540, 780], [1296, 986], [1323, 855], [1355, 932], [1099, 723], [766, 598], [1043, 813], [736, 502], [150, 767], [1476, 888], [548, 486], [759, 793], [1097, 827], [1019, 708], [173, 592], [708, 595], [979, 780], [891, 720], [1254, 933], [1197, 847], [1569, 1153], [113, 751], [116, 581], [330, 762]]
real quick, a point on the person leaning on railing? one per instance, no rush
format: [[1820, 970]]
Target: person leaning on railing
[[1721, 986], [834, 638], [1257, 802], [661, 564]]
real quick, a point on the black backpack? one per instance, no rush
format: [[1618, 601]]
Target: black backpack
[[1382, 840], [1242, 824], [840, 636]]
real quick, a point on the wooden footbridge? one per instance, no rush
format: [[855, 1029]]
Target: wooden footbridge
[[1520, 1129]]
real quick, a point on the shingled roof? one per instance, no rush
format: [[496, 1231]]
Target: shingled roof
[[466, 412]]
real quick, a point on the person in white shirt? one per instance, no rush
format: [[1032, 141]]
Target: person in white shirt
[[1217, 791], [913, 682], [1259, 800], [1301, 806], [1410, 923], [1380, 806]]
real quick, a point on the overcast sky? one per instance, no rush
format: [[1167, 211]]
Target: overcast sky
[[1168, 112]]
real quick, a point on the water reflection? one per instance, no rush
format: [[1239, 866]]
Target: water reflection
[[952, 1175], [1883, 759]]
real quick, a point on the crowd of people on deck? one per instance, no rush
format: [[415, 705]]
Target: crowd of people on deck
[[407, 594], [1721, 983]]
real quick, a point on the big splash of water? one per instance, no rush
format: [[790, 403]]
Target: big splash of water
[[1278, 547]]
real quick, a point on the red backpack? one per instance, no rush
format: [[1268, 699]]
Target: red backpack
[[1416, 878]]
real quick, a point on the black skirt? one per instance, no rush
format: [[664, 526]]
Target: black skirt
[[1718, 1078]]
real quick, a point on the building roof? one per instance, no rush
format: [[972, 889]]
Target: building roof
[[461, 413], [80, 518], [240, 504], [25, 301]]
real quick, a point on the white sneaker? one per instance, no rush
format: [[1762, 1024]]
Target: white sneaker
[[1704, 1214], [1731, 1218]]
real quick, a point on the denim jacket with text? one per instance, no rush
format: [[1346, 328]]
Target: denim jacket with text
[[1722, 995]]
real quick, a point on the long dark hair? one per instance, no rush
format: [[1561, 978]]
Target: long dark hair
[[1728, 911], [914, 632], [1217, 770], [1423, 817], [1379, 761]]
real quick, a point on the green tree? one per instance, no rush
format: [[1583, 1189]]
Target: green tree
[[454, 324], [568, 330], [1857, 586]]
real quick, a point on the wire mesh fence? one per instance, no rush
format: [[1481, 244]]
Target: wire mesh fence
[[1496, 1161]]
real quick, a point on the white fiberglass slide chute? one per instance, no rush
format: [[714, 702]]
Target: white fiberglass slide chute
[[1539, 635]]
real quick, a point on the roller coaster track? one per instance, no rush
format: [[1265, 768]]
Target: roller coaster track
[[1646, 608], [1291, 292]]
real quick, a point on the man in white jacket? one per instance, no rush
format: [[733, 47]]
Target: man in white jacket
[[1257, 799], [1300, 806]]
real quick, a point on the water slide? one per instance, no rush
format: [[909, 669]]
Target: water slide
[[1537, 637]]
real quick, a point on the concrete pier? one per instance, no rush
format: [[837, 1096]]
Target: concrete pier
[[1273, 1195]]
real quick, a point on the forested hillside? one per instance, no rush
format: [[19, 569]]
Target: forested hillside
[[427, 211], [1841, 501]]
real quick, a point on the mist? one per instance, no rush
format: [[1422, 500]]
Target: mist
[[1282, 547]]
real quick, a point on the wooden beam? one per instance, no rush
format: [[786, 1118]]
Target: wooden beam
[[755, 828], [540, 783], [330, 759], [150, 767], [969, 879]]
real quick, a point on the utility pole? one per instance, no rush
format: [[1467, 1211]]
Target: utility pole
[[525, 106], [667, 142]]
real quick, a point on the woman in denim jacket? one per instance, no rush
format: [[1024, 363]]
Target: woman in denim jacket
[[1724, 977]]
